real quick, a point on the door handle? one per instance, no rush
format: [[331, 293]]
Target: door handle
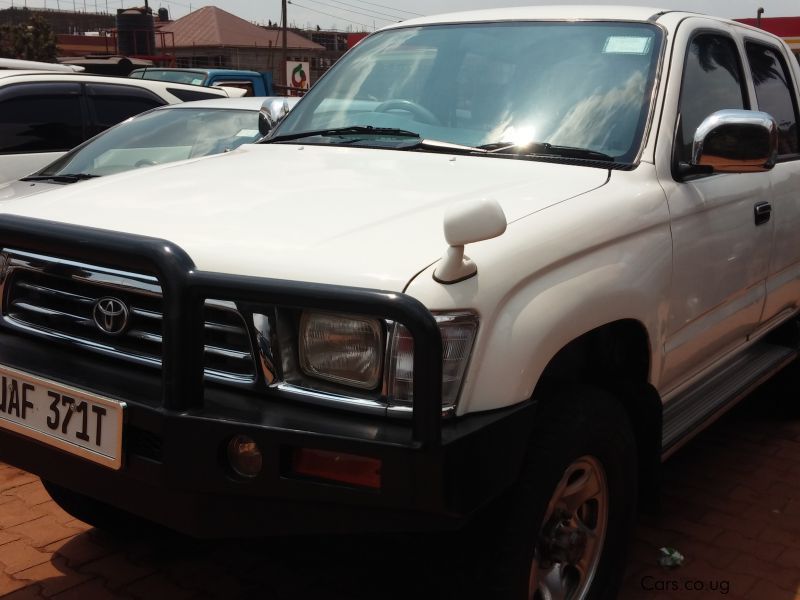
[[762, 212]]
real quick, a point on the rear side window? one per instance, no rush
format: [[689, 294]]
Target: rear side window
[[112, 104], [712, 81], [189, 95], [40, 117], [774, 93]]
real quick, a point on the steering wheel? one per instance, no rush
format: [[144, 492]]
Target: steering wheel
[[420, 113], [145, 162]]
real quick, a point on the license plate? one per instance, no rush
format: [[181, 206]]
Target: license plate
[[66, 418]]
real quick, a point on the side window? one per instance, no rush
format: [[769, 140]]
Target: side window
[[712, 81], [112, 104], [40, 117], [774, 93]]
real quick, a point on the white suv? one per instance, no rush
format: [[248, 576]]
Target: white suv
[[43, 114]]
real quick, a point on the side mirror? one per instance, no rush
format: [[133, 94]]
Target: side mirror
[[465, 223], [272, 112], [734, 141]]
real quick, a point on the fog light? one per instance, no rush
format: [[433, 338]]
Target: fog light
[[244, 456]]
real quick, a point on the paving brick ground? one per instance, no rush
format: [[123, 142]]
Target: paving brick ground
[[731, 506]]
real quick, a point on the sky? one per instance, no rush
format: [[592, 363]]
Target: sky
[[370, 14]]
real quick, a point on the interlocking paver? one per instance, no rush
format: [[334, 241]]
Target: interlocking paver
[[42, 531], [89, 590], [53, 576], [8, 584], [117, 570], [157, 587], [731, 506], [79, 549], [20, 555]]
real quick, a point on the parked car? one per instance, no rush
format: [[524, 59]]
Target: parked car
[[35, 65], [161, 135], [45, 113], [252, 82], [493, 291]]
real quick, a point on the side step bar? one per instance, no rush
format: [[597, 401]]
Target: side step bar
[[688, 414]]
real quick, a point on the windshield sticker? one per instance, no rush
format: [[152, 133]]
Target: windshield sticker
[[247, 133], [197, 81], [627, 44]]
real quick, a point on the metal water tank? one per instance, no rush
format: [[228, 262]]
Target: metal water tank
[[136, 34]]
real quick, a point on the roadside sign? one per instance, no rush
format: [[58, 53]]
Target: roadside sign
[[298, 74]]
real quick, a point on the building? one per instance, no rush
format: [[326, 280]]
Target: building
[[787, 28], [212, 37]]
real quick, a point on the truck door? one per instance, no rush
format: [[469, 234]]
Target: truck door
[[775, 88], [720, 250]]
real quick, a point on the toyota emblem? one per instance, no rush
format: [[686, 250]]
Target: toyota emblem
[[111, 315]]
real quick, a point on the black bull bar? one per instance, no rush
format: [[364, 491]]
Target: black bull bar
[[185, 289]]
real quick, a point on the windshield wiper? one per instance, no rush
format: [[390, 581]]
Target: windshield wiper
[[352, 129], [61, 178], [446, 147], [545, 149]]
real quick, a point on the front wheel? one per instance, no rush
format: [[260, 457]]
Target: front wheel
[[562, 531], [573, 533]]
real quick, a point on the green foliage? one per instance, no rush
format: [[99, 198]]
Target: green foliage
[[33, 40]]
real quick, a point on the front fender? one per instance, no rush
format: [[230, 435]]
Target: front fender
[[556, 275]]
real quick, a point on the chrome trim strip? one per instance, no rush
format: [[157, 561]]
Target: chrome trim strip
[[146, 336], [12, 260], [80, 266], [51, 292], [50, 312], [364, 406], [147, 314], [221, 327], [226, 353], [87, 344], [266, 343]]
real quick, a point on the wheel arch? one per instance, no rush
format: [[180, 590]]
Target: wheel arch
[[616, 358]]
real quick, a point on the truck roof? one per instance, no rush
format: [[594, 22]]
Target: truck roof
[[532, 13], [200, 70]]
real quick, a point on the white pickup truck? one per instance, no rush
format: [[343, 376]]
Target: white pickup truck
[[495, 267]]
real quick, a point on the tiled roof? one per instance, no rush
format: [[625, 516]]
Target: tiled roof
[[212, 26]]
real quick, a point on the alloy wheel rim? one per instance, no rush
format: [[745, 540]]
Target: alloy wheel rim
[[573, 532]]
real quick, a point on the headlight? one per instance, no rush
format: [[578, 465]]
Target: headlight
[[458, 335], [343, 349]]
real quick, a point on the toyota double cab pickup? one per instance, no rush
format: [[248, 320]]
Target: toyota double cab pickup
[[490, 272]]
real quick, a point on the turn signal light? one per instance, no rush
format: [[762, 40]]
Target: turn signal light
[[352, 469]]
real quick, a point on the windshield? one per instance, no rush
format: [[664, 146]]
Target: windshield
[[159, 136], [584, 85]]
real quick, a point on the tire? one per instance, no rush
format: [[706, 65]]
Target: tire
[[582, 441], [97, 514]]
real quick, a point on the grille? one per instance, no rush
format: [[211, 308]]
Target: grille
[[59, 302]]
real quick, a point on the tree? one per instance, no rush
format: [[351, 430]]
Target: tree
[[33, 40]]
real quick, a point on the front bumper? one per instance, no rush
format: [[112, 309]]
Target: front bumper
[[434, 473]]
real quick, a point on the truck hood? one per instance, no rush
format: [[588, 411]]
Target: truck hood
[[351, 216], [21, 189]]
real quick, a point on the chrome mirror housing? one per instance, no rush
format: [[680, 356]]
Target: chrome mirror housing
[[735, 141], [272, 112]]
